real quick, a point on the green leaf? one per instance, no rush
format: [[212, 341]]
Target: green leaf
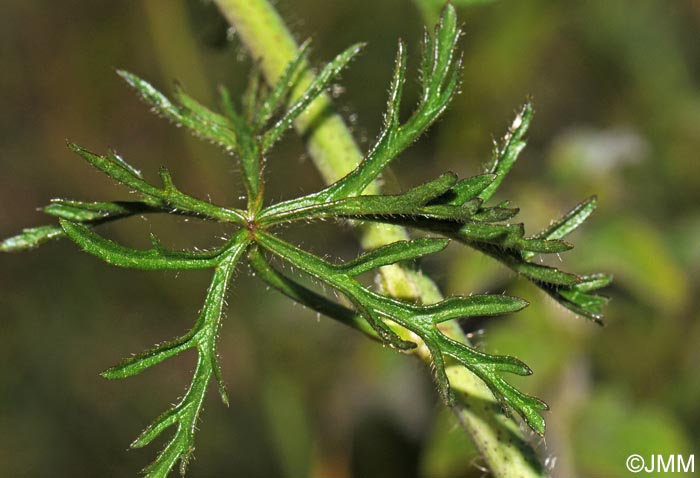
[[589, 302], [391, 254], [315, 88], [545, 246], [506, 154], [168, 197], [486, 363], [190, 114], [251, 97], [160, 424], [185, 414], [448, 212], [250, 157], [487, 368], [80, 211], [138, 363], [445, 40], [150, 259], [475, 305], [526, 406], [444, 206], [570, 221], [31, 238], [219, 378], [280, 92], [503, 235], [494, 214], [440, 371], [227, 104], [331, 275], [393, 109], [593, 282], [440, 80], [214, 125], [545, 274], [440, 83], [466, 190], [421, 320], [118, 169], [91, 213], [306, 296], [421, 195], [406, 203], [566, 224]]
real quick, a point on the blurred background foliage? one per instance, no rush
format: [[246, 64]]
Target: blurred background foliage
[[616, 88]]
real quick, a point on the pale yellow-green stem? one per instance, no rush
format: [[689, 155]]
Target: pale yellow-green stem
[[335, 153]]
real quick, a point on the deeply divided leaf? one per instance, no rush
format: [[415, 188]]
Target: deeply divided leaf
[[446, 208]]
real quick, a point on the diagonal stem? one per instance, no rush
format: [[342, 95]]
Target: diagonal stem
[[335, 153]]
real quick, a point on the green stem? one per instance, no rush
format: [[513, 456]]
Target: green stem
[[335, 153]]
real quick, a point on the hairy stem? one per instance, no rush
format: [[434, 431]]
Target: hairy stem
[[335, 153]]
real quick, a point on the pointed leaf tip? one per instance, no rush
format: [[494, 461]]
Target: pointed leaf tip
[[506, 153], [126, 75], [570, 221], [219, 378]]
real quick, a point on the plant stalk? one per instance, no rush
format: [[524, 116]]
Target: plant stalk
[[335, 153]]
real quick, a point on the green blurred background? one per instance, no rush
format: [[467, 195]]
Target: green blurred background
[[616, 88]]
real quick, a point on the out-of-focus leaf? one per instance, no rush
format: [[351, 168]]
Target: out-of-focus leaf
[[288, 422], [31, 238], [601, 446], [640, 258], [447, 451]]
